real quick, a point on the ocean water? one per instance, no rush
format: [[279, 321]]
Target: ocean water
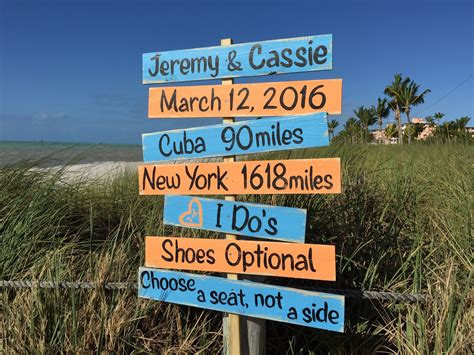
[[55, 154]]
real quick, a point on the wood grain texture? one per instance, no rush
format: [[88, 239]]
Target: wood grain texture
[[282, 304], [290, 55], [299, 176], [231, 322], [246, 100], [244, 137], [294, 260], [249, 219]]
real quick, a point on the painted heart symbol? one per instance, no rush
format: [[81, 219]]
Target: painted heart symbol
[[193, 216]]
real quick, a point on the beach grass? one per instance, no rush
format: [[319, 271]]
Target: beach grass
[[402, 224]]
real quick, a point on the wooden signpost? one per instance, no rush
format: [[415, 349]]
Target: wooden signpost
[[290, 55], [231, 322], [306, 105], [245, 137], [283, 304], [247, 100], [249, 219], [298, 176], [294, 260]]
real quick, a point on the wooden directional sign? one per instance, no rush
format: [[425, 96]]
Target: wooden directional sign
[[256, 136], [248, 59], [249, 219], [283, 304], [244, 100], [295, 260], [305, 176]]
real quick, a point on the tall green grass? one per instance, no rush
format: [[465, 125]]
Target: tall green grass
[[403, 223]]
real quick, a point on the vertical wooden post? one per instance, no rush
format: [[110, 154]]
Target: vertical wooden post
[[231, 322], [241, 334]]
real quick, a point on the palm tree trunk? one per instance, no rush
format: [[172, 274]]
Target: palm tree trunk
[[409, 126], [399, 126], [380, 130]]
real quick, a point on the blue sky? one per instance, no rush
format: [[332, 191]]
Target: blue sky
[[71, 70]]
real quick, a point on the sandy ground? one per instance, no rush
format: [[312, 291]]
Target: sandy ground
[[100, 170], [103, 170]]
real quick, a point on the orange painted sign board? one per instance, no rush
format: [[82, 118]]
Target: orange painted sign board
[[298, 176], [244, 100], [303, 261]]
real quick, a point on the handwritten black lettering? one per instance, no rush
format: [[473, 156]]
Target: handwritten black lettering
[[231, 298], [184, 66], [149, 280], [263, 258], [205, 181], [247, 137], [285, 57], [180, 146], [159, 182], [185, 255], [319, 314], [189, 104], [269, 300]]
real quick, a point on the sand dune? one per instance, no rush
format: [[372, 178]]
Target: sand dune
[[101, 170]]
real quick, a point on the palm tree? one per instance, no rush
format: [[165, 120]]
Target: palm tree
[[331, 127], [430, 119], [394, 91], [410, 96], [446, 130], [351, 128], [438, 116], [413, 130], [350, 123], [390, 131], [461, 123], [382, 111], [367, 117]]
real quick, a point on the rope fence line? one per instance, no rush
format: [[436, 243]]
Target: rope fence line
[[368, 295], [68, 284]]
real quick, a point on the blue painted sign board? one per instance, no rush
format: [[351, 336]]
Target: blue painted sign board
[[311, 309], [245, 137], [254, 220], [290, 55]]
